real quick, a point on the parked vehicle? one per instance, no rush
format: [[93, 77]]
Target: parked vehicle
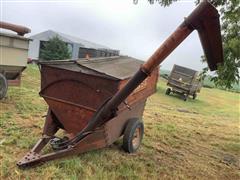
[[184, 81], [13, 58]]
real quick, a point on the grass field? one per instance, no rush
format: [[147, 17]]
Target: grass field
[[197, 139]]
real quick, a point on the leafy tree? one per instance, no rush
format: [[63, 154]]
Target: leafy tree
[[54, 49], [228, 73]]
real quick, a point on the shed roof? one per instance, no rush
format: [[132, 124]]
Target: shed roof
[[46, 35], [120, 67]]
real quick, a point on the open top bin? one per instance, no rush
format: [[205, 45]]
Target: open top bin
[[13, 59], [74, 90]]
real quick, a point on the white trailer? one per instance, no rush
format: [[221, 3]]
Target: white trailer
[[13, 56]]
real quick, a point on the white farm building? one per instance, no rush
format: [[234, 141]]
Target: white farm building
[[78, 48]]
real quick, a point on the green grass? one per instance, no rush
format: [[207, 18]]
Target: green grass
[[197, 139]]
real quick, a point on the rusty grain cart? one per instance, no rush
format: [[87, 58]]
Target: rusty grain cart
[[97, 102], [13, 57], [184, 81]]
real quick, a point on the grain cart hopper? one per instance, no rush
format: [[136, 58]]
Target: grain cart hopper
[[184, 81], [13, 55], [97, 109]]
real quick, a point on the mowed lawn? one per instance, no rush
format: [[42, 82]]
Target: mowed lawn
[[197, 139]]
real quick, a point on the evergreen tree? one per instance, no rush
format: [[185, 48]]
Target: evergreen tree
[[54, 49]]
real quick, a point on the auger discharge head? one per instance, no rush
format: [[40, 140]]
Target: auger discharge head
[[205, 19]]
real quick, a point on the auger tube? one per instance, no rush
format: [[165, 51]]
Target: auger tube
[[204, 16]]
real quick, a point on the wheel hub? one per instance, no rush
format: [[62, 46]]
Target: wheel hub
[[136, 138]]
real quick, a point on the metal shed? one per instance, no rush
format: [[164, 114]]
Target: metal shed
[[77, 47]]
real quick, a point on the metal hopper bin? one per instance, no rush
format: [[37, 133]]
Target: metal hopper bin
[[13, 55], [75, 90]]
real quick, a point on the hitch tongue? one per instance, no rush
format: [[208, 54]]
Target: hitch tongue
[[30, 156]]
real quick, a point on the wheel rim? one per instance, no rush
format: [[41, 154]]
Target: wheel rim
[[136, 138]]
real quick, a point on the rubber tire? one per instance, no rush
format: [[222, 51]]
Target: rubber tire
[[194, 96], [132, 125], [168, 91], [3, 86]]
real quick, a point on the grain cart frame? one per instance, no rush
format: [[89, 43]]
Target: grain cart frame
[[13, 58], [204, 18], [184, 81]]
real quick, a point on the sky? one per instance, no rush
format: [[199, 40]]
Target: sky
[[137, 30]]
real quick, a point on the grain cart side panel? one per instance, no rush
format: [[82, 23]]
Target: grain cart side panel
[[14, 50], [196, 84], [73, 95], [145, 89], [73, 86]]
